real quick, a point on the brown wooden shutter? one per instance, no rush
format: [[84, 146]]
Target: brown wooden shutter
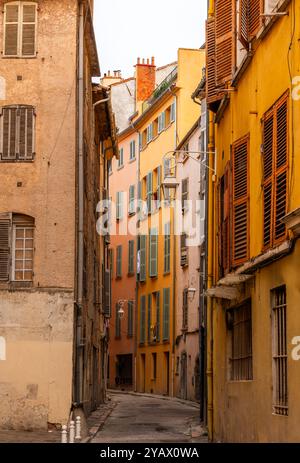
[[240, 178], [11, 30], [254, 21], [224, 13], [107, 293], [224, 222], [5, 229], [244, 22], [281, 161], [26, 133], [28, 30], [268, 131], [183, 250], [211, 90], [9, 134]]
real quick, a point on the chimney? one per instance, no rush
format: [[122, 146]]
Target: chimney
[[145, 78]]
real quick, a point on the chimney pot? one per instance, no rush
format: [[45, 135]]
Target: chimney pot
[[153, 61], [143, 61], [147, 60], [138, 60], [108, 73]]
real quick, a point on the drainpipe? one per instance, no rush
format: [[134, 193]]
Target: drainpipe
[[79, 350], [138, 174]]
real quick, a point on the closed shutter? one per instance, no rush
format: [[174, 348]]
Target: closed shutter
[[11, 30], [225, 10], [185, 309], [255, 10], [240, 201], [149, 316], [166, 314], [28, 30], [5, 231], [26, 133], [224, 231], [9, 144], [157, 331], [143, 243], [184, 194], [153, 253], [131, 257], [268, 135], [183, 251], [131, 199], [167, 248], [244, 23], [149, 191], [143, 320], [211, 90], [130, 319], [118, 321], [119, 214], [119, 262], [107, 294], [158, 193]]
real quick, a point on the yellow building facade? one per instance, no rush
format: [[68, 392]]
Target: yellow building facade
[[254, 198], [168, 115]]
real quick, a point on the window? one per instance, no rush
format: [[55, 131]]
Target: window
[[143, 246], [130, 319], [224, 223], [185, 306], [240, 180], [149, 183], [154, 366], [131, 209], [119, 209], [149, 133], [16, 248], [157, 327], [20, 20], [17, 129], [183, 251], [161, 122], [132, 150], [153, 253], [173, 112], [109, 164], [250, 20], [118, 321], [185, 194], [121, 158], [107, 293], [166, 314], [143, 320], [119, 262], [149, 317], [279, 352], [167, 248], [131, 257], [239, 322], [158, 187], [275, 177]]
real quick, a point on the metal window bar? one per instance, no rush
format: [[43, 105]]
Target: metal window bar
[[241, 358]]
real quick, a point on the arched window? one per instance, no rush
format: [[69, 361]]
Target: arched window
[[20, 21], [17, 133], [16, 247]]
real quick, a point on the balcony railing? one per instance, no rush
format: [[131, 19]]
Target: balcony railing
[[161, 88]]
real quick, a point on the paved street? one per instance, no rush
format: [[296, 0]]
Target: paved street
[[143, 419]]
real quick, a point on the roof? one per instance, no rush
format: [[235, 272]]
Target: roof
[[91, 42], [106, 118]]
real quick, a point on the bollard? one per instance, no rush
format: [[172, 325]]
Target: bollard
[[78, 429], [72, 432], [64, 434]]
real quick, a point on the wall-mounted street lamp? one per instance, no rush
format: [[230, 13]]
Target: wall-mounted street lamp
[[121, 304]]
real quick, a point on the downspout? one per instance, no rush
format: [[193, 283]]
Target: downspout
[[138, 174], [79, 350]]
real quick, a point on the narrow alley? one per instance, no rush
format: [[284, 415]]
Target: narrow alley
[[141, 418]]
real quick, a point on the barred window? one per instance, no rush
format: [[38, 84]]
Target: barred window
[[239, 323], [279, 352], [17, 133]]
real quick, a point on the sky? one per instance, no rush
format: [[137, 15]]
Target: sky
[[127, 29]]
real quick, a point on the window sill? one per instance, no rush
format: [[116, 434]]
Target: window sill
[[13, 161], [130, 275], [15, 285], [131, 160], [120, 167], [20, 57]]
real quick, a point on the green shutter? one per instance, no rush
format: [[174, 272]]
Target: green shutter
[[119, 262], [158, 186], [158, 316], [132, 150], [130, 319], [143, 319], [166, 314], [119, 210], [143, 257], [118, 322], [153, 252], [149, 182], [184, 194], [149, 316], [131, 199], [131, 257], [167, 248]]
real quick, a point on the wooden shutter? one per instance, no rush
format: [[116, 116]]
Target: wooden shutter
[[211, 90], [244, 22], [131, 257], [153, 251], [158, 192], [118, 321], [28, 30], [5, 231], [143, 319], [166, 314], [131, 199], [167, 248], [268, 135], [143, 243], [149, 191], [224, 217], [130, 319], [224, 14], [11, 30], [184, 194], [149, 316], [281, 172], [254, 21], [183, 251], [26, 133], [157, 330], [119, 214], [240, 190], [107, 294], [119, 262], [185, 309]]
